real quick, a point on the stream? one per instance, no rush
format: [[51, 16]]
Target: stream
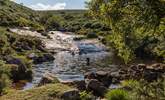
[[73, 59]]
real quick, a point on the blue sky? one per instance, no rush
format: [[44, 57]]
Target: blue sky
[[53, 4]]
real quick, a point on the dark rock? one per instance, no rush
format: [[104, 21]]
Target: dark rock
[[90, 75], [71, 95], [81, 85], [48, 78], [150, 76], [104, 78], [44, 58], [97, 87], [48, 57]]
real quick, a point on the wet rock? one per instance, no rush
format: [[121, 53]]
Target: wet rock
[[48, 78], [44, 58], [97, 87], [71, 95]]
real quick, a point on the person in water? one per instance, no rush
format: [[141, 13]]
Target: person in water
[[88, 61]]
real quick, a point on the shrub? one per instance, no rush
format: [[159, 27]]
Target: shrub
[[22, 22], [117, 94], [148, 91], [129, 84]]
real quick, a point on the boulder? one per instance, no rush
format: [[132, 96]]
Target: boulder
[[90, 75], [81, 85], [104, 77], [48, 78], [71, 95], [96, 87]]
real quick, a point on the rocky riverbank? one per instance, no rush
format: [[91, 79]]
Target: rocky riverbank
[[100, 81]]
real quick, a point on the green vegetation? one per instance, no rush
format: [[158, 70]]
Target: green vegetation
[[15, 15], [117, 94], [86, 96], [13, 57], [143, 90], [4, 77], [47, 92], [138, 28], [71, 20]]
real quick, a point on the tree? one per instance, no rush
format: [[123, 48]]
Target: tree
[[135, 25]]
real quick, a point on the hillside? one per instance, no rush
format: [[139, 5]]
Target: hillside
[[13, 14]]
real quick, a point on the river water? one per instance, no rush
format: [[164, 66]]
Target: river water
[[69, 64], [70, 67]]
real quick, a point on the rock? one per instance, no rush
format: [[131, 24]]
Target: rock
[[158, 67], [151, 76], [48, 57], [44, 58], [101, 73], [48, 78], [90, 75], [71, 95], [141, 66], [80, 85], [97, 87], [31, 56], [19, 70], [104, 78]]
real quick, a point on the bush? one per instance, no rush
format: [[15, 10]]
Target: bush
[[117, 94], [129, 84], [22, 22], [148, 91]]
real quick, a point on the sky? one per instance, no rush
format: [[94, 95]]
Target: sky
[[53, 4]]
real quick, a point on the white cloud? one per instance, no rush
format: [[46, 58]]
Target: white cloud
[[40, 6]]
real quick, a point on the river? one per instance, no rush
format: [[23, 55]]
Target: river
[[73, 58]]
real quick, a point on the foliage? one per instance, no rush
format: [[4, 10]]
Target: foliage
[[136, 25], [4, 76], [129, 84], [117, 94], [148, 91], [86, 96]]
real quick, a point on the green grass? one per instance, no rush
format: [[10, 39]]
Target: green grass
[[117, 94], [48, 92]]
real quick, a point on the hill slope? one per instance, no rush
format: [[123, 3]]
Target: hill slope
[[13, 14]]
